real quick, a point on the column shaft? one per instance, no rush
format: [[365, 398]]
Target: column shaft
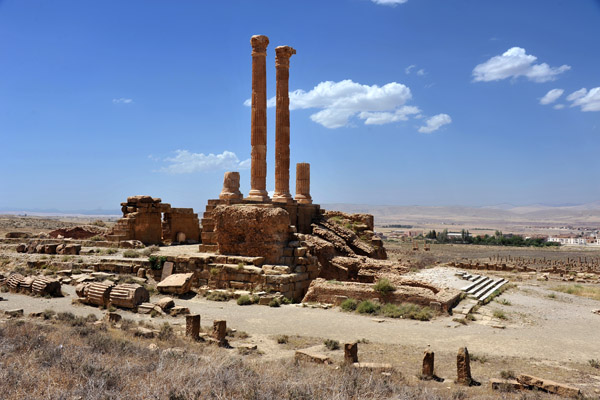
[[258, 183], [282, 125], [303, 183]]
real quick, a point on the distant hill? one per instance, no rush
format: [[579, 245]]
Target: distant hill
[[581, 215]]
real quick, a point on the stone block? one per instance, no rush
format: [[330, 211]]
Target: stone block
[[463, 367], [428, 365], [549, 386], [351, 353], [307, 356], [192, 326], [506, 384], [176, 283]]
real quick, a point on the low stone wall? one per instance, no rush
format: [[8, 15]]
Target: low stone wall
[[247, 273], [415, 292]]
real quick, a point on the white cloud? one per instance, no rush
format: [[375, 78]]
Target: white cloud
[[380, 118], [559, 106], [513, 63], [551, 96], [185, 162], [340, 101], [577, 94], [122, 100], [588, 101], [434, 123], [421, 72], [409, 68], [389, 2]]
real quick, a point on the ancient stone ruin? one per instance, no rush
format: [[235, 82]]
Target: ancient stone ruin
[[143, 220], [281, 244]]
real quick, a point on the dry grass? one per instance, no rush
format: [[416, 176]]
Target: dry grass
[[590, 292], [42, 361]]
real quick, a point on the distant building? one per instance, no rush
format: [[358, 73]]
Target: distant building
[[575, 240]]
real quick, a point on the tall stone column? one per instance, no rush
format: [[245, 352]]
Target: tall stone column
[[282, 125], [258, 183], [303, 183]]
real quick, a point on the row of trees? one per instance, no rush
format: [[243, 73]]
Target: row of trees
[[498, 239]]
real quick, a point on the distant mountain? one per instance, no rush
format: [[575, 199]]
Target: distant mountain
[[582, 214]]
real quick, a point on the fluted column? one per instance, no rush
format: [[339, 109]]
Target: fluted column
[[303, 183], [282, 124], [258, 183]]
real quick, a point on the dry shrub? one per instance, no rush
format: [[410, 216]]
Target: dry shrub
[[42, 361]]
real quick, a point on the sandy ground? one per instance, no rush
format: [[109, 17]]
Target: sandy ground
[[556, 329]]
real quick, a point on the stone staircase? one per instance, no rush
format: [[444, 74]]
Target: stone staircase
[[209, 241], [481, 287]]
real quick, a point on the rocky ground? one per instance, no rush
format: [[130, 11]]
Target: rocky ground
[[530, 328]]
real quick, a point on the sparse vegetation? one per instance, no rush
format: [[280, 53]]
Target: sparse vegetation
[[131, 254], [349, 305], [482, 358], [150, 250], [367, 307], [165, 332], [508, 374], [275, 302], [283, 339], [246, 300], [331, 344], [111, 364], [96, 238], [156, 263], [591, 292], [384, 287], [500, 314], [594, 363], [218, 296], [504, 302]]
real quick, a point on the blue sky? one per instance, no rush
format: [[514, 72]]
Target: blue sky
[[428, 102]]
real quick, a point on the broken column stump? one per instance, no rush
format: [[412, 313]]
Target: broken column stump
[[428, 364], [192, 326], [463, 367], [220, 332], [351, 353]]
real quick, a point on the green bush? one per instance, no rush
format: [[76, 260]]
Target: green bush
[[275, 303], [367, 307], [245, 300], [218, 296], [283, 339], [349, 305], [384, 287], [131, 254], [331, 344], [156, 263]]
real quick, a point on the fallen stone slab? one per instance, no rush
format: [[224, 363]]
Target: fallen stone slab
[[179, 310], [165, 303], [144, 332], [14, 313], [374, 366], [305, 356], [549, 386], [506, 384], [176, 283]]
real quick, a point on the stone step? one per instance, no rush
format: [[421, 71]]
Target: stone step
[[484, 288], [208, 248], [472, 285], [497, 286], [478, 286], [209, 238], [473, 278], [115, 238]]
